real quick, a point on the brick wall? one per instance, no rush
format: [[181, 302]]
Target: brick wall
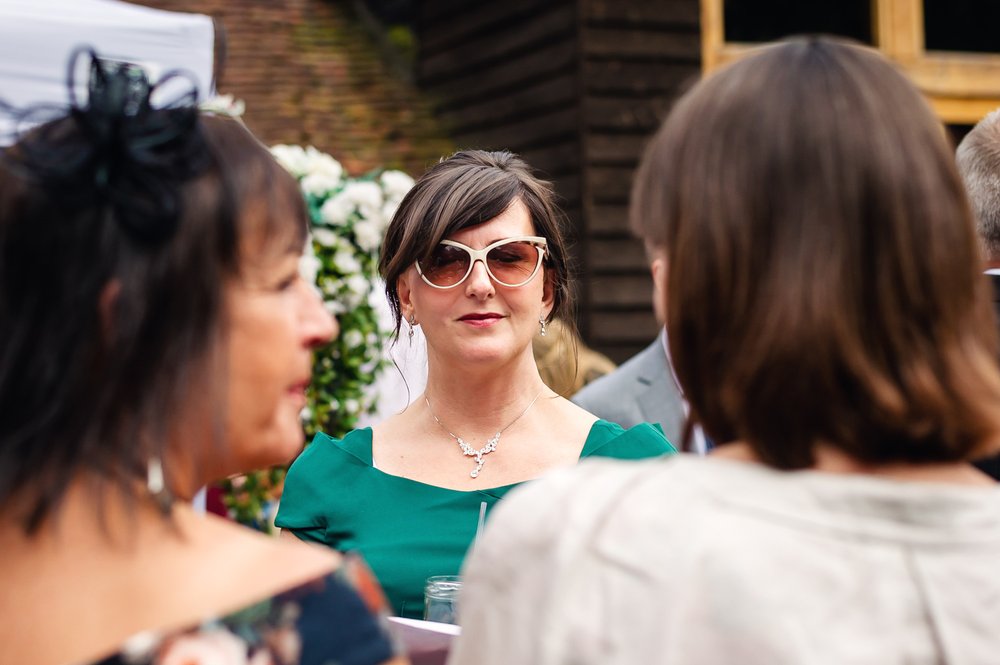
[[311, 74]]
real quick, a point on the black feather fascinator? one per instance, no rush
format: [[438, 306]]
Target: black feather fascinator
[[121, 154]]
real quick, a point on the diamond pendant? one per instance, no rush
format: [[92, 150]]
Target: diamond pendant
[[469, 451], [479, 465]]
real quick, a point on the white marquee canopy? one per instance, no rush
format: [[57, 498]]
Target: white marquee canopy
[[38, 36]]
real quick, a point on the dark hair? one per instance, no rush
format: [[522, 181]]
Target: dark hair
[[823, 284], [468, 188], [978, 158], [107, 329]]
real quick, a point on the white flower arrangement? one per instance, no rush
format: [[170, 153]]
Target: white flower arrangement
[[349, 217]]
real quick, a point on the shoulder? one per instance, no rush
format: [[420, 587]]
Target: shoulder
[[573, 499], [629, 377], [326, 451], [316, 480], [533, 515], [539, 567], [540, 524], [236, 552], [608, 439], [542, 569]]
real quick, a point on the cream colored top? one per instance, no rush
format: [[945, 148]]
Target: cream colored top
[[706, 561]]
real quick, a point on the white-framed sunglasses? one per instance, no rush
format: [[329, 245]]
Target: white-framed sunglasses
[[509, 262]]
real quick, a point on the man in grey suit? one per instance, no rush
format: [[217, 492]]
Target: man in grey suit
[[978, 159], [643, 388]]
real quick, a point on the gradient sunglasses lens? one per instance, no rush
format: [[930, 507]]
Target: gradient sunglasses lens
[[513, 263], [447, 265], [510, 263]]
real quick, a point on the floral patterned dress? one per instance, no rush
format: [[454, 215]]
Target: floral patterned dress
[[338, 619]]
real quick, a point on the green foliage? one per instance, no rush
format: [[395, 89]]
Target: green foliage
[[348, 217]]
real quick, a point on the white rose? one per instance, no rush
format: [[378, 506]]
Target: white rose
[[358, 285], [323, 164], [319, 184], [396, 184], [337, 209], [353, 339], [368, 235], [351, 405], [326, 237], [334, 307], [388, 212], [330, 286], [309, 265], [346, 263], [365, 195], [292, 157]]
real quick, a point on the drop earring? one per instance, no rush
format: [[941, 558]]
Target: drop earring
[[156, 485], [412, 322], [541, 325]]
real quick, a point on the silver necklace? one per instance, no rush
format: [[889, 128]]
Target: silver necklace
[[491, 443]]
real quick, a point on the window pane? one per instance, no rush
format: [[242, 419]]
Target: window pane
[[962, 25], [767, 20]]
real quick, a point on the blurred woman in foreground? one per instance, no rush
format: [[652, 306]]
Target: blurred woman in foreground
[[155, 335], [830, 328]]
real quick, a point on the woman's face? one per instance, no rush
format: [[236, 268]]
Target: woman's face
[[479, 322], [275, 319]]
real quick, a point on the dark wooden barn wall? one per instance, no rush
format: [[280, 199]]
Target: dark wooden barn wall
[[576, 87], [636, 56], [504, 75]]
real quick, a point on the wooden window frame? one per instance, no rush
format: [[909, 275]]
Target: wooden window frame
[[961, 87]]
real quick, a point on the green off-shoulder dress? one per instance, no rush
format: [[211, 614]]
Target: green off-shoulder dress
[[406, 530]]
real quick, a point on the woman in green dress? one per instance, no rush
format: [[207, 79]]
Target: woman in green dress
[[476, 256]]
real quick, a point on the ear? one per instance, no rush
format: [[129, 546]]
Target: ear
[[404, 290], [548, 293], [658, 268]]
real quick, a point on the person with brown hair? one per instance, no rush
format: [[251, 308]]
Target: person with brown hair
[[155, 335], [831, 330], [476, 256]]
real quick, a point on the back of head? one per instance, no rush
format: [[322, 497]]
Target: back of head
[[978, 159], [823, 279], [118, 231]]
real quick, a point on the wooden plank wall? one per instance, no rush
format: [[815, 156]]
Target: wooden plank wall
[[636, 58], [576, 87], [503, 75]]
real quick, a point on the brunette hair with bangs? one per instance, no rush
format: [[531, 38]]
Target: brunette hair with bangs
[[468, 188], [88, 384], [823, 281]]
